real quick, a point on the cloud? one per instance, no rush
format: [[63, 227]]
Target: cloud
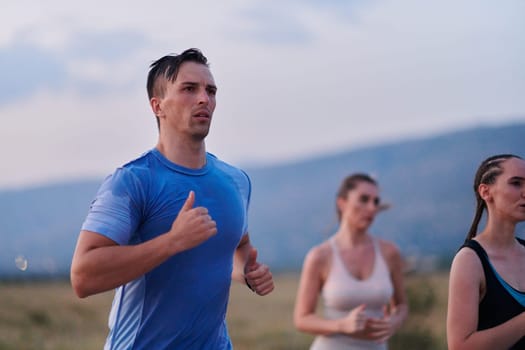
[[279, 23], [83, 63], [101, 62], [342, 9], [111, 46], [269, 27], [26, 69]]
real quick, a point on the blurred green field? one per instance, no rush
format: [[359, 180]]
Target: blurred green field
[[47, 315]]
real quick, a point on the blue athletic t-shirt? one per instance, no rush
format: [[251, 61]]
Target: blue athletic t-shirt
[[181, 304]]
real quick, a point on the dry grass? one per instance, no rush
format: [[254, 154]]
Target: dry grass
[[257, 322], [426, 324], [266, 322], [47, 315]]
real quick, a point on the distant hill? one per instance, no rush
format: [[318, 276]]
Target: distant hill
[[428, 181]]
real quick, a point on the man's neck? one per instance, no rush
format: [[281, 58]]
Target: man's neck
[[187, 154]]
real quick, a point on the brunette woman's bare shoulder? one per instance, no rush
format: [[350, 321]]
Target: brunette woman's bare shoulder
[[318, 260], [320, 253], [389, 249]]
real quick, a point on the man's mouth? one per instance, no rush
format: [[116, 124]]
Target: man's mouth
[[202, 115]]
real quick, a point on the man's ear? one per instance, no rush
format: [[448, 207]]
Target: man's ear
[[156, 106]]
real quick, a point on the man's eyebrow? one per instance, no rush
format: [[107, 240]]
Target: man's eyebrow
[[517, 178], [193, 83]]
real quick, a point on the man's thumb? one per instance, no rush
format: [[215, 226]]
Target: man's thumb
[[386, 311], [189, 202], [361, 307], [252, 257]]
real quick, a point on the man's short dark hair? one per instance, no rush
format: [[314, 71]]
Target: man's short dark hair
[[166, 68]]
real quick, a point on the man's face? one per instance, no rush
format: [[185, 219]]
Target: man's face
[[188, 103]]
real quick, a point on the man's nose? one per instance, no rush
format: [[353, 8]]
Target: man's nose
[[204, 97]]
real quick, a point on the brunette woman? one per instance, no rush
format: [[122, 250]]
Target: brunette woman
[[358, 277]]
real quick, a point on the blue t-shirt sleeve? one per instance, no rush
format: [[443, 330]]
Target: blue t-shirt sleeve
[[115, 212]]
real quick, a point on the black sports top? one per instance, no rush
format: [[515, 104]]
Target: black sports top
[[498, 305]]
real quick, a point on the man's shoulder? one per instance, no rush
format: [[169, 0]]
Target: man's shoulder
[[142, 161], [223, 165], [134, 171], [140, 167]]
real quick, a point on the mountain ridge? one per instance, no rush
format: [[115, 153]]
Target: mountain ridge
[[428, 181]]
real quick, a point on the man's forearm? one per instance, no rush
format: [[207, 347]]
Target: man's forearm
[[104, 268]]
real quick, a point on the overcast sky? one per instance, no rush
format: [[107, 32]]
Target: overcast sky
[[295, 78]]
